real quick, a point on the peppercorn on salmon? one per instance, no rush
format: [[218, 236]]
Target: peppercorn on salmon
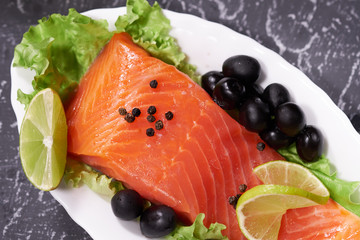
[[194, 162]]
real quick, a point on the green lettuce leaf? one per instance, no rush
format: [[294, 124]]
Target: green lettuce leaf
[[60, 49], [197, 231], [150, 29], [322, 165], [77, 173], [340, 191]]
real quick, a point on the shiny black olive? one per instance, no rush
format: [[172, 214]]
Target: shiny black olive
[[355, 120], [209, 80], [157, 221], [127, 204], [275, 94], [245, 68], [254, 115], [254, 90], [309, 144], [275, 138], [229, 93], [289, 118]]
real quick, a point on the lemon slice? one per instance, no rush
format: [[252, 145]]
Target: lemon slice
[[291, 174], [43, 140], [260, 209]]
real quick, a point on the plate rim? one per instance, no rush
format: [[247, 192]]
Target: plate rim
[[325, 98]]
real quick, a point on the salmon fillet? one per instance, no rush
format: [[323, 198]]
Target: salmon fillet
[[194, 164], [330, 221]]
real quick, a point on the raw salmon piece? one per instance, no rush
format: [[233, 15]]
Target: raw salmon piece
[[330, 221], [195, 163]]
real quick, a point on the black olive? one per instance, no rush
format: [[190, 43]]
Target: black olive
[[254, 90], [275, 138], [209, 80], [289, 118], [355, 120], [229, 93], [309, 144], [245, 68], [275, 94], [254, 115], [157, 221], [127, 204]]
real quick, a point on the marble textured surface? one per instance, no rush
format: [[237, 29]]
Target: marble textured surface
[[320, 37]]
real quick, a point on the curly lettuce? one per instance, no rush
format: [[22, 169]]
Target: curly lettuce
[[340, 191], [78, 173], [60, 49], [197, 231], [150, 28]]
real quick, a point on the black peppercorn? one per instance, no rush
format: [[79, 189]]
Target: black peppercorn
[[260, 146], [136, 112], [159, 125], [151, 118], [150, 132], [234, 199], [242, 188], [129, 118], [169, 115], [153, 84], [122, 111], [151, 110]]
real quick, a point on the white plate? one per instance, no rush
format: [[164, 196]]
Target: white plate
[[208, 44]]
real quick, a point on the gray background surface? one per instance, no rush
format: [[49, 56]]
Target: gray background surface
[[320, 37]]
